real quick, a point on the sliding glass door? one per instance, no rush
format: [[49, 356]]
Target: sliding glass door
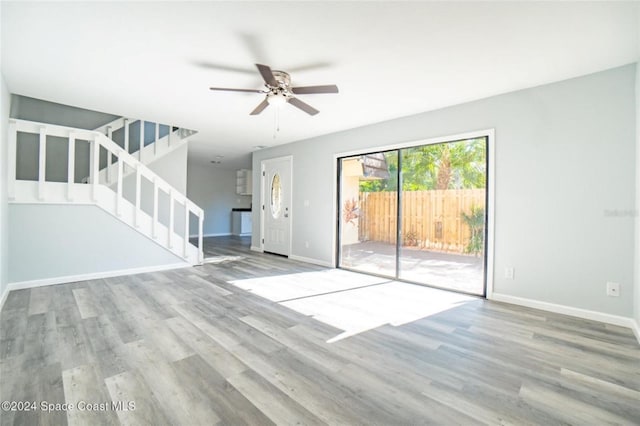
[[443, 215], [368, 230], [432, 231]]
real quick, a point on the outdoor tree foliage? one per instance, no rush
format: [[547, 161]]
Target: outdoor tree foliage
[[475, 221], [452, 165]]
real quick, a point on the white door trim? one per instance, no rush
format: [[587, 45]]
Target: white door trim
[[489, 134], [263, 164]]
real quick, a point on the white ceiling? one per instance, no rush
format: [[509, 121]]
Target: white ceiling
[[156, 60]]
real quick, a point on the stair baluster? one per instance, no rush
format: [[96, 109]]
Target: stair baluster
[[98, 191]]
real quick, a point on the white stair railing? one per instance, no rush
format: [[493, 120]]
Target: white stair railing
[[154, 149], [99, 193], [175, 134]]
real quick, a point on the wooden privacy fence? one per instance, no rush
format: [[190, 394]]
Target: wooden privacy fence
[[430, 219]]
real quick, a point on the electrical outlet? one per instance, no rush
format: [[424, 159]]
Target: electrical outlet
[[613, 289], [509, 273], [306, 244]]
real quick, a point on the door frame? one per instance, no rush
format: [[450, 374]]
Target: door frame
[[263, 191], [490, 231]]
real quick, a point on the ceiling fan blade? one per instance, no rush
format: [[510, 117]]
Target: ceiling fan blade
[[224, 89], [260, 107], [267, 75], [303, 106], [222, 67], [330, 88]]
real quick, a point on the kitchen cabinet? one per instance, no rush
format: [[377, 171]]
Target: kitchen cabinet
[[241, 222], [244, 182]]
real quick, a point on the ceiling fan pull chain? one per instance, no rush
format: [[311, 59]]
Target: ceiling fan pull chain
[[276, 122]]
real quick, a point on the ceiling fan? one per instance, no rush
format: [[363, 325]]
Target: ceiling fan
[[278, 91]]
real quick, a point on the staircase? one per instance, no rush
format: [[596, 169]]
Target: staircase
[[153, 141], [118, 181]]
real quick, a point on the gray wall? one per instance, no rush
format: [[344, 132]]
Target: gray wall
[[565, 164], [48, 241], [173, 168], [32, 109], [5, 102], [214, 190]]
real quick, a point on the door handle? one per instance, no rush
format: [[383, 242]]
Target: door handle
[[286, 215]]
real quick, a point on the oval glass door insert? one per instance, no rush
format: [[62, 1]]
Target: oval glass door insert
[[276, 196]]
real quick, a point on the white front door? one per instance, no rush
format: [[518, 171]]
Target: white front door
[[276, 205]]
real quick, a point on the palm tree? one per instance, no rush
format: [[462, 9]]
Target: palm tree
[[475, 222], [450, 165]]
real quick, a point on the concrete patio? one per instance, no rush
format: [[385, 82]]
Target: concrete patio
[[445, 270]]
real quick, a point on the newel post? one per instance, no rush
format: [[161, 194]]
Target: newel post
[[71, 166], [186, 227], [138, 193], [200, 235], [42, 166], [119, 185], [126, 135], [95, 167], [171, 217]]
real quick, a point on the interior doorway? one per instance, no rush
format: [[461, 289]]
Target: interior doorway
[[417, 214], [276, 205]]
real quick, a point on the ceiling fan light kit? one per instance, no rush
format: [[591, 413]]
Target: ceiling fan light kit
[[278, 91], [277, 99]]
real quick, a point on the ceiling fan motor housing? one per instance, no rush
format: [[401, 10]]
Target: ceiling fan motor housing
[[282, 78], [281, 93]]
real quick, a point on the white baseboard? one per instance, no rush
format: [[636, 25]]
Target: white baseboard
[[571, 311], [635, 326], [311, 260], [92, 276], [3, 297], [300, 258]]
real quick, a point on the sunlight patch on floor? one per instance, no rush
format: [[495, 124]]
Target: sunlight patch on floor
[[353, 302], [304, 284]]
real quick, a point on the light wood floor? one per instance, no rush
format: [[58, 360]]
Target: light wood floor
[[186, 347]]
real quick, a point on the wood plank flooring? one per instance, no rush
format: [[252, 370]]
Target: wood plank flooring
[[187, 347]]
